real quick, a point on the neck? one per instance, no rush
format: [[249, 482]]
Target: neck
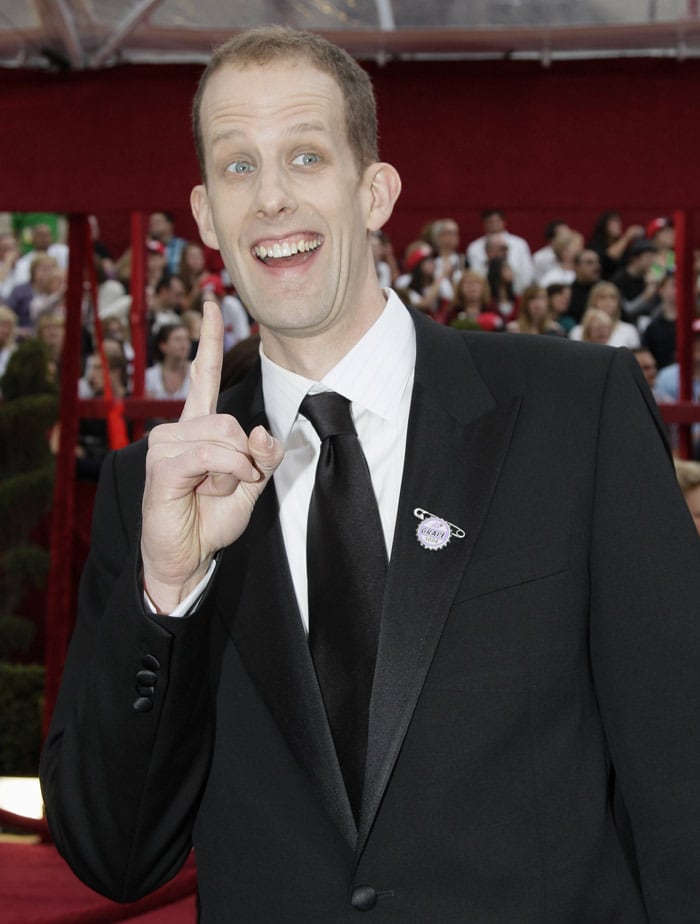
[[314, 354]]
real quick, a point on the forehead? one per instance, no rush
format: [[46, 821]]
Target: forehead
[[255, 97]]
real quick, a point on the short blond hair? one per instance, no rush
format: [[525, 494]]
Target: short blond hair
[[271, 44]]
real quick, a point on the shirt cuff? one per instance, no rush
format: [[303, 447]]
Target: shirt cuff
[[189, 605]]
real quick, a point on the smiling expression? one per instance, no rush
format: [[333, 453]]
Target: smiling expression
[[286, 206]]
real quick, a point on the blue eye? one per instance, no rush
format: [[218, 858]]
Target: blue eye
[[307, 159], [239, 166]]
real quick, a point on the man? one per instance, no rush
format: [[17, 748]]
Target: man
[[661, 233], [42, 293], [161, 227], [637, 283], [545, 259], [528, 754], [587, 268], [43, 245], [519, 256]]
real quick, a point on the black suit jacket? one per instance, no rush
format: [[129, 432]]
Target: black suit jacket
[[533, 746]]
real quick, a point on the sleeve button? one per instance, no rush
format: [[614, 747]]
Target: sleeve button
[[143, 704], [363, 898]]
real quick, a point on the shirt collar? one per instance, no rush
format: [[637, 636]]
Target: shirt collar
[[388, 349]]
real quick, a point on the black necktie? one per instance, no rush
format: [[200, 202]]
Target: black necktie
[[346, 563]]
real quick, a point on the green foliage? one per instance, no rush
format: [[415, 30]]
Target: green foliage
[[28, 411], [24, 499], [21, 695], [24, 426], [16, 635], [28, 372], [22, 568]]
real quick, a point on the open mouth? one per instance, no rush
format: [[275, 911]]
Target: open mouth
[[284, 251]]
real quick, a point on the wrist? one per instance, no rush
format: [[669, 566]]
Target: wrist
[[166, 595]]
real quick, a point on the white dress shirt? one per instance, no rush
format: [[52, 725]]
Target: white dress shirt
[[519, 259], [380, 405]]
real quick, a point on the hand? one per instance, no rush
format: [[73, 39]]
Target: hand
[[203, 477]]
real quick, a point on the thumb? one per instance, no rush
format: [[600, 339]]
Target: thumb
[[266, 451]]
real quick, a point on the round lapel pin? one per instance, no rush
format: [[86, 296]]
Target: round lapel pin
[[434, 533]]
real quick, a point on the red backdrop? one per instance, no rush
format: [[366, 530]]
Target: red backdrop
[[571, 140]]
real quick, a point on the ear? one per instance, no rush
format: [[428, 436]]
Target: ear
[[201, 209], [383, 183]]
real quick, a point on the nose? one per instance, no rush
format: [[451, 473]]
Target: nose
[[274, 195]]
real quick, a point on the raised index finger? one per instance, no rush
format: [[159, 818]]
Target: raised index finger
[[205, 375]]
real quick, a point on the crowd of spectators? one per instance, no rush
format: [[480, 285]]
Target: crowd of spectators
[[615, 286]]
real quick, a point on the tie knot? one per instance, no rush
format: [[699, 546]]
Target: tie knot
[[329, 413]]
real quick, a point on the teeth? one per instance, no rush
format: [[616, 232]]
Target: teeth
[[286, 249]]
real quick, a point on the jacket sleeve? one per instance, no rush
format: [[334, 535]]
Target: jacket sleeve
[[645, 642], [128, 749]]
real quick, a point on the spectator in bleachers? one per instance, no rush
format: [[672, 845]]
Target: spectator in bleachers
[[472, 307], [169, 376], [647, 364], [558, 301], [192, 266], [637, 283], [606, 297], [659, 335], [43, 245], [587, 266], [533, 314], [565, 246], [500, 275], [43, 292], [610, 241], [545, 258], [9, 255], [444, 239], [8, 336], [426, 291], [596, 326], [161, 227], [519, 257], [51, 331], [661, 233]]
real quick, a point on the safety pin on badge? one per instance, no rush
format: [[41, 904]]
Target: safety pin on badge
[[433, 532]]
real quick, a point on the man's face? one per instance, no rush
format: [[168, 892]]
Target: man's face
[[159, 226], [588, 269], [494, 223], [41, 237], [284, 202], [448, 239], [647, 364]]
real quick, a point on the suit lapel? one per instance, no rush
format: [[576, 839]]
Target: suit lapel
[[457, 440], [267, 631]]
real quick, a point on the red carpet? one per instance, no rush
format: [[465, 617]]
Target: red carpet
[[36, 887]]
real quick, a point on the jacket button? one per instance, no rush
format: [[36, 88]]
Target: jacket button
[[147, 678], [143, 704], [150, 662], [145, 691], [363, 898]]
